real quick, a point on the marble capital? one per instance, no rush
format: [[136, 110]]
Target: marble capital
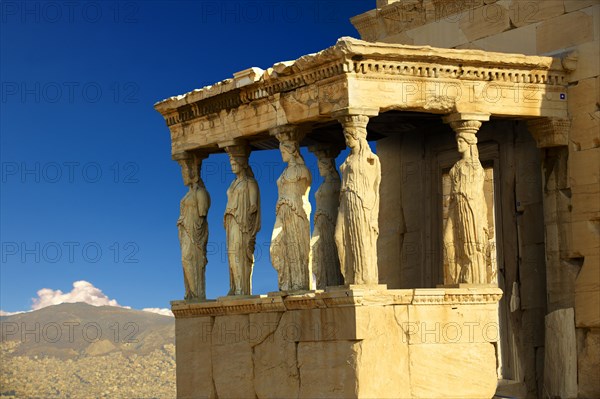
[[289, 132], [466, 122], [550, 132]]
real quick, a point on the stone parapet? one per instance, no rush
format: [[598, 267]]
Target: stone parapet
[[347, 342]]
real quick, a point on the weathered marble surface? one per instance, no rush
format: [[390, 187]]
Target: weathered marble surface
[[357, 226], [241, 220], [355, 74], [358, 74], [290, 242], [560, 360], [325, 262], [347, 343], [466, 237], [193, 227]]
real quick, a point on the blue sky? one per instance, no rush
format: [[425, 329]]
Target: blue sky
[[89, 190]]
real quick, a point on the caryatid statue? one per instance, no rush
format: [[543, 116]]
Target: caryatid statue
[[241, 220], [324, 257], [357, 226], [193, 226], [466, 229], [290, 242]]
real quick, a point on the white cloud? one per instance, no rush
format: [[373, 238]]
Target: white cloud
[[3, 313], [82, 291], [161, 311]]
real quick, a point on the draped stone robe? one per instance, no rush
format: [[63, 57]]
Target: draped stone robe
[[324, 256], [241, 226], [357, 227], [465, 234], [290, 242], [193, 237]]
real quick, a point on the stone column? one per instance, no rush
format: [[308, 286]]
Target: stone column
[[561, 335], [241, 219], [290, 242], [466, 249], [325, 262], [193, 226], [357, 226], [551, 135]]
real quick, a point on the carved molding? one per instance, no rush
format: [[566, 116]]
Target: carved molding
[[281, 302], [356, 77], [393, 17], [471, 127], [198, 156], [466, 122], [191, 161], [367, 25], [236, 148], [356, 121], [378, 61], [550, 132]]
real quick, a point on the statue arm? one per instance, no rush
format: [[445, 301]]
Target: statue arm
[[228, 206], [200, 226], [448, 234], [449, 253], [203, 202], [181, 218], [200, 229], [306, 174], [254, 197], [376, 184]]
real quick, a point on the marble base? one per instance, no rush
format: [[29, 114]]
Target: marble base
[[342, 343]]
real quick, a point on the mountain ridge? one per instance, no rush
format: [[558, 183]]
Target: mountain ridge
[[78, 350]]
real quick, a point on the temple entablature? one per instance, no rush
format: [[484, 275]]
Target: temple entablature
[[354, 74]]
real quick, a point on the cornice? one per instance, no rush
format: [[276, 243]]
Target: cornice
[[363, 60]]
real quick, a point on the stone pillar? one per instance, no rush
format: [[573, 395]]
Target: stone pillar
[[290, 242], [357, 226], [193, 226], [325, 262], [466, 248], [241, 219], [563, 263]]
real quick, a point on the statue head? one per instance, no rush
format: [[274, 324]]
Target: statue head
[[355, 132], [326, 154], [290, 151], [190, 168], [289, 137], [326, 166], [467, 145], [238, 164], [238, 159]]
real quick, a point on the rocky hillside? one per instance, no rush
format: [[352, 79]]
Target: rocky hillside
[[77, 350]]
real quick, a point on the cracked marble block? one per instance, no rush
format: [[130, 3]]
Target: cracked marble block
[[343, 343]]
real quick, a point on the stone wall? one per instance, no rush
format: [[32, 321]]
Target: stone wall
[[347, 343], [570, 174]]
